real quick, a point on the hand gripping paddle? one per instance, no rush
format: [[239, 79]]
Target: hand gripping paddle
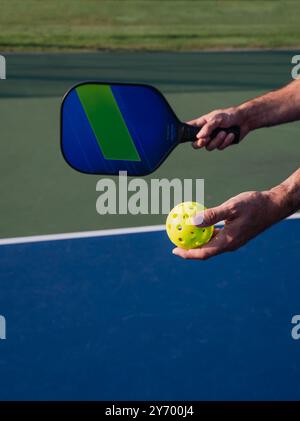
[[112, 127]]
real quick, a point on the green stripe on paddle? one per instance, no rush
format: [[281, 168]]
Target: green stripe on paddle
[[107, 122]]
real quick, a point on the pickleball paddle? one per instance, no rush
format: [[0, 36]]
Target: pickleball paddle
[[112, 127]]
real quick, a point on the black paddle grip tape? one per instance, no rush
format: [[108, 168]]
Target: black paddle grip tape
[[188, 133]]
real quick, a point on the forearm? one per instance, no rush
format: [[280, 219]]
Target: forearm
[[276, 107], [286, 195]]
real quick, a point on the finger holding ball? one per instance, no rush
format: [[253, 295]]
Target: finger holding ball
[[180, 228]]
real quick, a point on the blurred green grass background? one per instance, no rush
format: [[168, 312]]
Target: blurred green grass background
[[148, 25]]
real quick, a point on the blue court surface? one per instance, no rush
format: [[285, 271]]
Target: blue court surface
[[119, 317]]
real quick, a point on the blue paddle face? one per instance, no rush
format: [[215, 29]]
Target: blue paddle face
[[107, 128]]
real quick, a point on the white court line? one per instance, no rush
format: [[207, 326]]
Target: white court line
[[294, 216], [82, 234], [98, 233]]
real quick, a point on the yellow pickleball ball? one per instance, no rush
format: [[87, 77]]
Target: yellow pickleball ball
[[181, 230]]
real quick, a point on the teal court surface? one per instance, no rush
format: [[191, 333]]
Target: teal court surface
[[40, 194]]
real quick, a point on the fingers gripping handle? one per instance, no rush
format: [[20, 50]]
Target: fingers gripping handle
[[188, 133], [235, 130]]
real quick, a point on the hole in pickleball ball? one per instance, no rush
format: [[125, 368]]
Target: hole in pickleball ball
[[179, 227], [174, 215], [180, 239], [203, 230]]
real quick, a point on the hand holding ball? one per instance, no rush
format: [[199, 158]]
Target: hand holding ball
[[181, 230]]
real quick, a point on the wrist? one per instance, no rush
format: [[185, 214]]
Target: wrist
[[283, 201], [244, 117], [255, 114]]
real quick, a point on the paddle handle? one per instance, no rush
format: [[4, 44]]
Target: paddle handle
[[188, 133]]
